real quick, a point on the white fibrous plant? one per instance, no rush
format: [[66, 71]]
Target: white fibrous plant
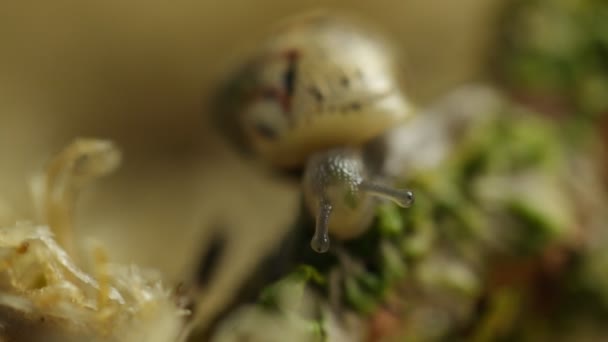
[[45, 292]]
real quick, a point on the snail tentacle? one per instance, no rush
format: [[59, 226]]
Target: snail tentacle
[[320, 241], [402, 197]]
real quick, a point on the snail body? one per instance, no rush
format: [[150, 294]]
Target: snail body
[[312, 97]]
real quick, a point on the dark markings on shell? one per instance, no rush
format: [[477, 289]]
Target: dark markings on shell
[[290, 75], [265, 131], [316, 93]]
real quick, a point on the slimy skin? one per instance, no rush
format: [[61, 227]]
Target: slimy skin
[[337, 190]]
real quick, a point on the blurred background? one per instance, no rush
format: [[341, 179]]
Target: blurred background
[[140, 73]]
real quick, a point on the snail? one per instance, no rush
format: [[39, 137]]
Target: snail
[[322, 97], [316, 96]]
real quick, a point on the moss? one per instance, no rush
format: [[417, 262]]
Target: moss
[[557, 49], [501, 198]]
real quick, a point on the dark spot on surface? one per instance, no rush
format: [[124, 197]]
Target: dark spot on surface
[[345, 82], [23, 248], [289, 80], [356, 106], [316, 93], [290, 74], [265, 130], [210, 260]]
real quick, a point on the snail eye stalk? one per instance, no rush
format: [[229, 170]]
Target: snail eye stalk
[[320, 241], [402, 197]]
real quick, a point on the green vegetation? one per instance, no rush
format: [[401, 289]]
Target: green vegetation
[[492, 225]]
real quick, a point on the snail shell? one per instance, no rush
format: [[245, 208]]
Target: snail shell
[[320, 82]]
